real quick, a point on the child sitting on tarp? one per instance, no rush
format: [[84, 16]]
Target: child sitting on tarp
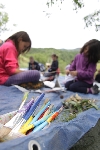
[[84, 67], [10, 73], [33, 65], [52, 71]]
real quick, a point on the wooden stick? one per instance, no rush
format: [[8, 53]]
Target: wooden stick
[[49, 72]]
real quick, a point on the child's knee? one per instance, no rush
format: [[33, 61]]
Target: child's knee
[[34, 75], [66, 85], [37, 74], [72, 88]]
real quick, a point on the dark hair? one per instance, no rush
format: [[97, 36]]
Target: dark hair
[[93, 50], [54, 55], [31, 57], [23, 35]]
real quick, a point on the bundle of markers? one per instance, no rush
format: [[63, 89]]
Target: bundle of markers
[[28, 121]]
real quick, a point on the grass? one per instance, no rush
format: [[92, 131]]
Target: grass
[[98, 67]]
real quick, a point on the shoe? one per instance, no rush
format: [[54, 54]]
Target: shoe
[[95, 86], [32, 85], [95, 89]]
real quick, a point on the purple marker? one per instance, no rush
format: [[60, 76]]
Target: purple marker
[[19, 115]]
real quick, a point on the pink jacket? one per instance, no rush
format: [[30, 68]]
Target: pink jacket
[[8, 60]]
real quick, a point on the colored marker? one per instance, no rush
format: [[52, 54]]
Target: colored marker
[[41, 126], [28, 114], [39, 113], [19, 115], [48, 111], [24, 130], [33, 115]]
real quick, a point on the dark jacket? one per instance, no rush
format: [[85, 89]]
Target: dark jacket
[[54, 66], [34, 66]]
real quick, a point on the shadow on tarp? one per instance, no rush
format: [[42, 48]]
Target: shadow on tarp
[[90, 141], [59, 136]]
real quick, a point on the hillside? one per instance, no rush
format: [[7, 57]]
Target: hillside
[[42, 55]]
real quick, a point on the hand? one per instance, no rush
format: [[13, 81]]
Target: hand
[[67, 72], [33, 67], [73, 73], [17, 71]]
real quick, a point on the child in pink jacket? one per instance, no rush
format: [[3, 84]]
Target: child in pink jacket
[[10, 72]]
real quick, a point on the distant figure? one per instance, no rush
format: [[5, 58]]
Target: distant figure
[[1, 42], [54, 65], [52, 70], [58, 70], [97, 78], [33, 65]]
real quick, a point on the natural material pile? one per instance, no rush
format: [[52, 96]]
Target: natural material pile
[[32, 85], [74, 105]]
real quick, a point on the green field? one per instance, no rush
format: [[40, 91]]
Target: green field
[[43, 55], [98, 66]]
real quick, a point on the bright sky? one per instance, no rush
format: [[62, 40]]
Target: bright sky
[[62, 29]]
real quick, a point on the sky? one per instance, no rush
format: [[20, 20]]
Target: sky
[[56, 27]]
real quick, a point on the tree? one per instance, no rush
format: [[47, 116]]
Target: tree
[[3, 18], [91, 19]]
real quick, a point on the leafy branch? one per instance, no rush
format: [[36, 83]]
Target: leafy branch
[[77, 3], [3, 19], [93, 19]]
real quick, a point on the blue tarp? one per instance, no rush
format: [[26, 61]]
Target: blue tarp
[[59, 135]]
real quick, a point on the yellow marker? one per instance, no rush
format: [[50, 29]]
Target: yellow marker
[[49, 119], [27, 122], [53, 117], [24, 130], [31, 117]]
